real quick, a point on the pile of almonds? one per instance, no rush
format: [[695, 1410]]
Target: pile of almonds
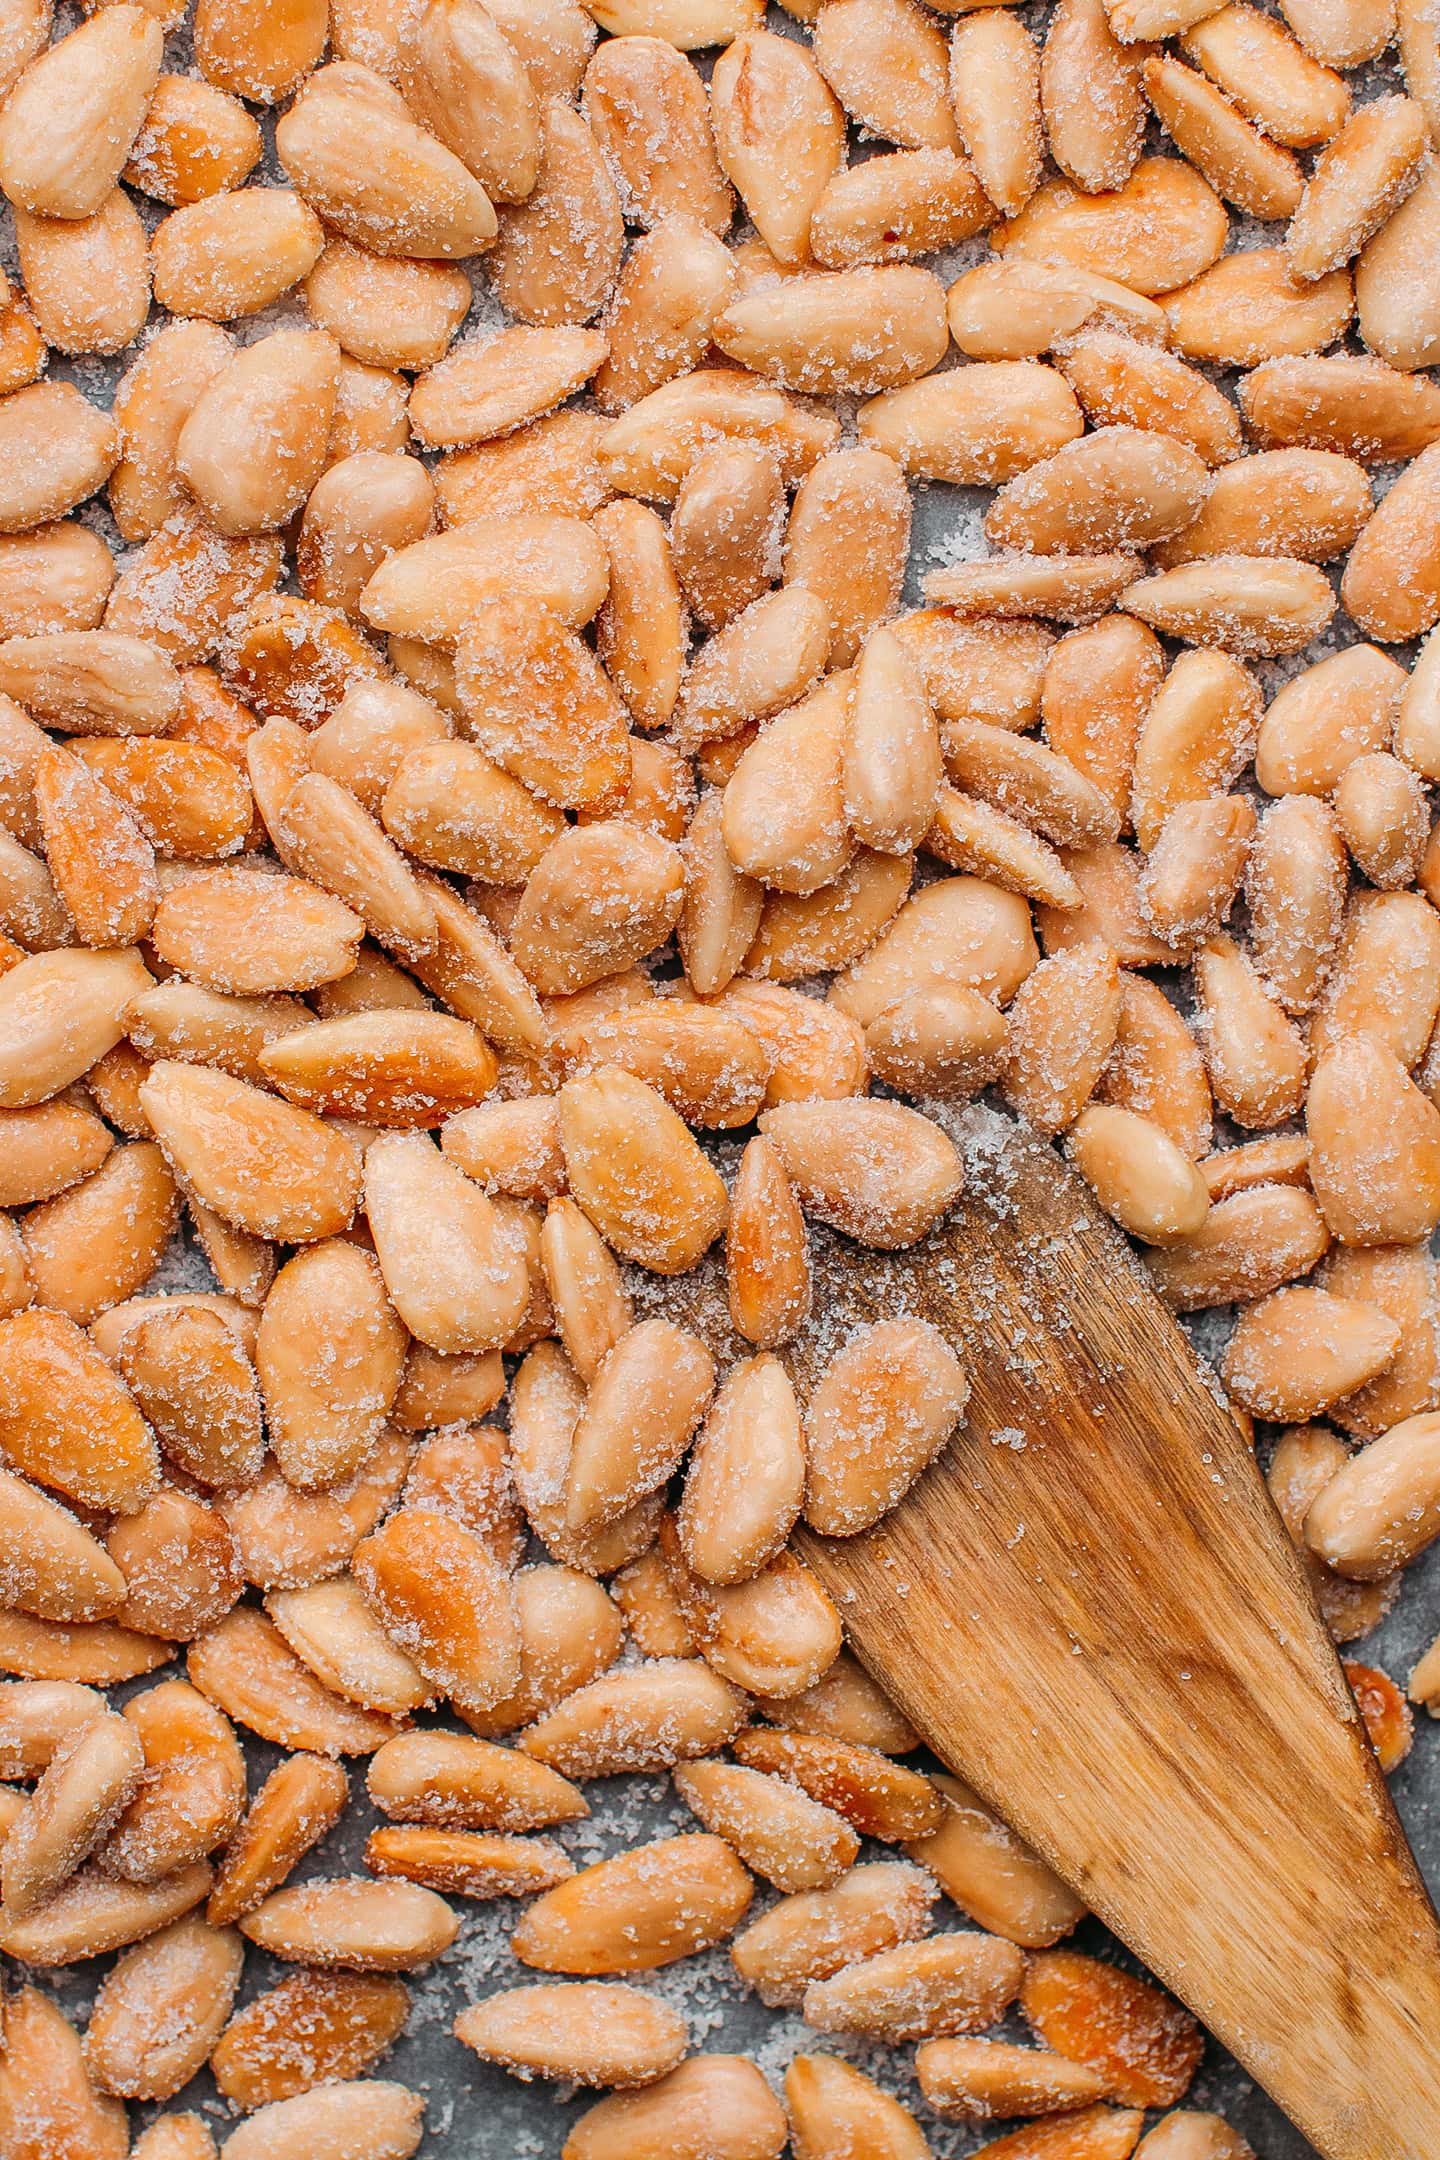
[[446, 773]]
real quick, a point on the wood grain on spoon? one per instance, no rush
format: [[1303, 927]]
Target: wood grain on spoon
[[1091, 1610]]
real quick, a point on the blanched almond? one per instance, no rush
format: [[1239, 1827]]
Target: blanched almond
[[676, 2118], [882, 1410], [946, 1984], [101, 862], [673, 285], [978, 2079], [194, 1383], [415, 196], [879, 1172], [246, 1669], [48, 2100], [298, 1803], [65, 1419], [441, 1597], [53, 1567], [1249, 1244], [91, 682], [1247, 308], [766, 1256], [310, 2027], [992, 1876], [1243, 602], [331, 1629], [35, 1716], [92, 1915], [1375, 1146], [160, 2009], [637, 1172], [1060, 1031], [1334, 711], [1139, 1175], [779, 134], [84, 1786], [890, 209], [254, 443], [995, 90], [810, 1936], [778, 1831], [100, 77], [638, 1717], [182, 1573], [840, 333], [192, 1794], [1144, 2044], [640, 1910], [464, 78], [558, 251], [367, 2114], [1307, 504], [100, 1241], [1360, 178], [650, 450], [588, 2033], [466, 1293], [1163, 227], [1296, 1351], [263, 1165], [383, 1068], [774, 1635], [350, 1922], [830, 2103]]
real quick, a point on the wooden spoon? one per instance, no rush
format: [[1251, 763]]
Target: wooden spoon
[[1090, 1608]]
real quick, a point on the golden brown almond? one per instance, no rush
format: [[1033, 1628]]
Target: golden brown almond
[[328, 837], [678, 2114], [451, 807], [995, 91], [641, 632], [100, 77], [852, 332], [646, 1398], [287, 1539], [1163, 228], [810, 1936], [1121, 381], [1308, 504], [1139, 1175], [370, 2113], [675, 282], [1248, 309], [637, 95], [829, 2103], [638, 1717], [937, 1042], [261, 1164], [877, 1797], [891, 209], [640, 1910], [880, 1172], [188, 800], [463, 77], [53, 579], [1334, 711], [570, 1633], [58, 449], [386, 312], [847, 542], [472, 973], [92, 1915], [1400, 1280], [1280, 1161], [87, 1781], [1060, 1031], [1248, 1245], [161, 2008], [175, 2137], [998, 1881], [219, 579], [1098, 686], [416, 197], [47, 1148], [601, 897], [1274, 80], [958, 930], [1297, 1350], [637, 1172], [377, 726], [195, 141], [487, 389], [1390, 584], [746, 1477], [194, 1383], [247, 1670], [1018, 308], [1246, 603], [1238, 160], [650, 450], [946, 1984], [1091, 97], [254, 443], [350, 1922], [153, 400], [48, 2099], [383, 1068], [1119, 488], [91, 682], [977, 2079], [324, 1412], [652, 1612], [1384, 816], [369, 410], [766, 1255], [1254, 1054], [778, 1831], [588, 2033], [1375, 1147], [779, 134], [310, 2027], [439, 1594], [234, 254], [774, 1635], [463, 1292], [1378, 1511], [192, 1794], [765, 659], [540, 705], [298, 1804], [332, 1631], [1194, 870], [1359, 180], [975, 426], [558, 252], [66, 1420], [464, 1471], [363, 509], [455, 1783], [100, 1241], [881, 1411], [1069, 588], [54, 1568], [182, 1573], [437, 1390], [886, 64], [1144, 2044], [245, 932]]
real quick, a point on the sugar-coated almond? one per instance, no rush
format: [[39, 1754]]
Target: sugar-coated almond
[[246, 1668], [308, 2028], [1144, 2044], [978, 2079], [369, 2115], [779, 134], [348, 1921], [811, 1935], [676, 2118], [298, 1803], [440, 1595], [644, 1908], [881, 1173], [160, 2009]]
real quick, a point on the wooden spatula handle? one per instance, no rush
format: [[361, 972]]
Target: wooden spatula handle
[[1090, 1608]]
